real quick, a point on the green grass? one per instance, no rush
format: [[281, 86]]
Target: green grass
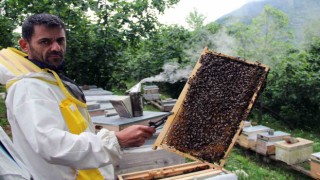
[[149, 107], [255, 166]]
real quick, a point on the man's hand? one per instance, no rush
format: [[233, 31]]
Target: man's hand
[[134, 136]]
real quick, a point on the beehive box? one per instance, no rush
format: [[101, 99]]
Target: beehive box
[[294, 153], [266, 142], [151, 97], [315, 165], [152, 89], [117, 123], [144, 158], [212, 108], [248, 137], [186, 171], [246, 124]]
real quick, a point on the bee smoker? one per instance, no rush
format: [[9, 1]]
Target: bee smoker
[[136, 100], [136, 103]]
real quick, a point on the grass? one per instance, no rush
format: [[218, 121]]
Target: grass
[[149, 107], [254, 166]]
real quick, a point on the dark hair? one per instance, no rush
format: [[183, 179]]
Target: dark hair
[[47, 20]]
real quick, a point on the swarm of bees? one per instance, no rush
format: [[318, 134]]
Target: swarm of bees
[[216, 102]]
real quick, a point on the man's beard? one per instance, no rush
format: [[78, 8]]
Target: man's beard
[[38, 57], [55, 60]]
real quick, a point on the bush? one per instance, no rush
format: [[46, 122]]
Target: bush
[[3, 115]]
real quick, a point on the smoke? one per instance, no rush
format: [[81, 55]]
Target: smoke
[[224, 43], [219, 42], [171, 73]]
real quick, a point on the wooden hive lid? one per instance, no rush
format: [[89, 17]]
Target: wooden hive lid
[[212, 108], [254, 129], [276, 136]]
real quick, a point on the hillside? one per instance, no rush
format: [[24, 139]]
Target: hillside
[[301, 13]]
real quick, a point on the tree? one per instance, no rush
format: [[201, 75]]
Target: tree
[[147, 59], [311, 30], [6, 29], [292, 92], [266, 39], [195, 20]]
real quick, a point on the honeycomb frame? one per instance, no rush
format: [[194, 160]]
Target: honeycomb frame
[[170, 127]]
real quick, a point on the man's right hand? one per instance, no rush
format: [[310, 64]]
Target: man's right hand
[[134, 136]]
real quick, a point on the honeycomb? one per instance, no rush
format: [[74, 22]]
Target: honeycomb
[[217, 100]]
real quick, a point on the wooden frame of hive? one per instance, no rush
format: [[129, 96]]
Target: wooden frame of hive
[[186, 171], [177, 109]]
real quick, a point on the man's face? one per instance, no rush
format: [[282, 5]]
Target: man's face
[[46, 45]]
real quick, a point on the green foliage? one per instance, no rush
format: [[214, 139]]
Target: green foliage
[[195, 20], [118, 25], [7, 26], [311, 30], [266, 39], [147, 59], [293, 90], [3, 114]]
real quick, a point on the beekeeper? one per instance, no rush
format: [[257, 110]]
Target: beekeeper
[[47, 112]]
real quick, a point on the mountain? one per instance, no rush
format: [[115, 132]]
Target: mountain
[[300, 12]]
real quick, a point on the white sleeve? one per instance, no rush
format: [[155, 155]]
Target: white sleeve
[[5, 75], [35, 107]]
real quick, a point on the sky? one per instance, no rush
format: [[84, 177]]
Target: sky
[[211, 9]]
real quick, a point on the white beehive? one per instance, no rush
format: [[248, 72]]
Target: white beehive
[[248, 137], [266, 141], [293, 153]]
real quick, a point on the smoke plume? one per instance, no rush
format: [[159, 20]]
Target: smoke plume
[[171, 73]]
